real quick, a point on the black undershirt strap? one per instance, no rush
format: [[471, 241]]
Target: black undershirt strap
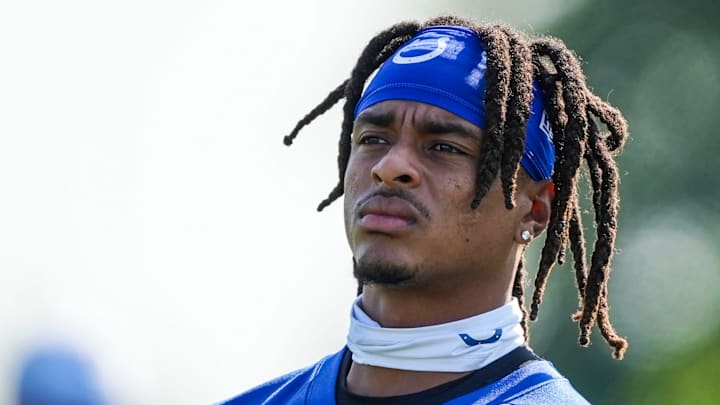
[[442, 393]]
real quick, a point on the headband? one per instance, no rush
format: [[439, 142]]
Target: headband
[[444, 66]]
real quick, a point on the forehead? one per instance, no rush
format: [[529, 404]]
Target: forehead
[[399, 112]]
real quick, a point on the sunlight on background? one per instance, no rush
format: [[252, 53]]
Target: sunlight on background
[[678, 260], [151, 216], [151, 219]]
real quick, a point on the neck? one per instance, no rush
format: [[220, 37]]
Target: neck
[[399, 310], [377, 381], [393, 307], [422, 305], [439, 297]]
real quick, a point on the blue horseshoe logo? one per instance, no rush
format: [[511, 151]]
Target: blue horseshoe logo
[[472, 342]]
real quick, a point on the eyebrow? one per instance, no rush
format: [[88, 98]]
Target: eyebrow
[[377, 118], [449, 127], [386, 118]]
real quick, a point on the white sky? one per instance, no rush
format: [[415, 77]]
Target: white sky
[[149, 213]]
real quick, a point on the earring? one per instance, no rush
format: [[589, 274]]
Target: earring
[[526, 236]]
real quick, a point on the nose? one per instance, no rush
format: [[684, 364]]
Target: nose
[[397, 168]]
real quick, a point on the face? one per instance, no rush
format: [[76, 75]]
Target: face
[[408, 187]]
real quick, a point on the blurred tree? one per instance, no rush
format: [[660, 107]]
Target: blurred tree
[[659, 62], [688, 380]]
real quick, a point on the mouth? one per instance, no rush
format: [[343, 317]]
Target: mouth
[[387, 214]]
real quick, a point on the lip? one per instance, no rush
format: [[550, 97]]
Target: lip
[[387, 214]]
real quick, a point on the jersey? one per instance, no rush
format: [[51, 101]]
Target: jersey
[[519, 378]]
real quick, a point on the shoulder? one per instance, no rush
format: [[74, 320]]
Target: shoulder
[[296, 387], [537, 382]]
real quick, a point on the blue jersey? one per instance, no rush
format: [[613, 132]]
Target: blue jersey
[[517, 378]]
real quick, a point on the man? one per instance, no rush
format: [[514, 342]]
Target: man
[[463, 148]]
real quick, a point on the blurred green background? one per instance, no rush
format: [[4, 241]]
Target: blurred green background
[[150, 212], [659, 62]]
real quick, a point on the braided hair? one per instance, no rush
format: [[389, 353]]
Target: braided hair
[[513, 62]]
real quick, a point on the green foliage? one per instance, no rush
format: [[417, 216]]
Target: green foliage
[[689, 380], [659, 62]]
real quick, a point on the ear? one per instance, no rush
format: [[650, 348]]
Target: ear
[[537, 219]]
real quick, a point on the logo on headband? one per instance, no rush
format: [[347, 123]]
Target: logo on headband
[[477, 73], [545, 126], [425, 49]]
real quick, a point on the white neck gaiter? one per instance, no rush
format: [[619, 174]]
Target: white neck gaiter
[[459, 346]]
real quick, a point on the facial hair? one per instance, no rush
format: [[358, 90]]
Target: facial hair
[[386, 274]]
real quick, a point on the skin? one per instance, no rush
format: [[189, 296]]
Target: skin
[[448, 261]]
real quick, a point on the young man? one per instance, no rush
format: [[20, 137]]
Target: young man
[[462, 149]]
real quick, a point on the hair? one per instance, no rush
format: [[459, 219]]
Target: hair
[[513, 61]]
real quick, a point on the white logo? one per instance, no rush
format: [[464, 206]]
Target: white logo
[[545, 125], [434, 46], [477, 73]]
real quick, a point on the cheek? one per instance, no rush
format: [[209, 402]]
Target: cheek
[[355, 172], [458, 193], [351, 185], [487, 223], [351, 189], [350, 181], [470, 226], [462, 219]]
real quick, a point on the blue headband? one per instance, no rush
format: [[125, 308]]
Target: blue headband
[[445, 66]]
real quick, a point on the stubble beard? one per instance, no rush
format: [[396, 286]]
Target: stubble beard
[[383, 273]]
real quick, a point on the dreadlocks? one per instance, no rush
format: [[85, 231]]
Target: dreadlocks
[[513, 62]]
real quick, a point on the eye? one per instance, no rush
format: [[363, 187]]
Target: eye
[[371, 140], [444, 147]]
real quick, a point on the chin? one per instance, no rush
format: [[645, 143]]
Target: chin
[[383, 272]]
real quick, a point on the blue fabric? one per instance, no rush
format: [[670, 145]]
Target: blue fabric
[[445, 66], [537, 382]]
